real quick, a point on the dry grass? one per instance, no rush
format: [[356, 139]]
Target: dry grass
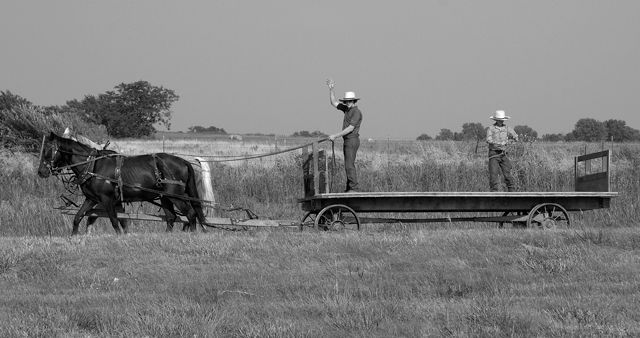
[[467, 280], [480, 283]]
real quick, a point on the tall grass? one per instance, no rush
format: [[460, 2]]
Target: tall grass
[[270, 186]]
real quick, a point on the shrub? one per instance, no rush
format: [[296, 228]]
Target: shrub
[[22, 128]]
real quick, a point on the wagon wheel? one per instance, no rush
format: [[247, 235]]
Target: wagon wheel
[[309, 220], [548, 216], [337, 217]]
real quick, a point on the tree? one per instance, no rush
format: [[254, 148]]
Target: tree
[[589, 130], [130, 111], [526, 133], [445, 135], [620, 132], [424, 137], [472, 131]]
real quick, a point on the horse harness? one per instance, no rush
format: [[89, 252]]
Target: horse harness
[[160, 180], [93, 157]]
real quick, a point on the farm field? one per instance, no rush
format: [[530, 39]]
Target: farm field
[[433, 280]]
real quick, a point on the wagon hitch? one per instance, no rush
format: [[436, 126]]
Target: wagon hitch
[[251, 214]]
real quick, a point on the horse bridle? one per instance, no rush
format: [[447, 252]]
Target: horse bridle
[[51, 164], [56, 150], [58, 171]]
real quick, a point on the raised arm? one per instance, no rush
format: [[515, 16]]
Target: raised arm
[[332, 95]]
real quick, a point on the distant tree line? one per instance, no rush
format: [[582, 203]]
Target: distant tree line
[[261, 134], [211, 130], [586, 129], [304, 133]]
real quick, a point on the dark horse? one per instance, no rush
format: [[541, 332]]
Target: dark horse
[[109, 179]]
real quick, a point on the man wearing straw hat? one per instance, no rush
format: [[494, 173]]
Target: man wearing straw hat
[[498, 136], [350, 133]]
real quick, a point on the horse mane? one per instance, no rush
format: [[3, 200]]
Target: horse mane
[[73, 146], [86, 148]]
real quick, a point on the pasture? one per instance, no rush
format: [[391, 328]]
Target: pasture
[[426, 280]]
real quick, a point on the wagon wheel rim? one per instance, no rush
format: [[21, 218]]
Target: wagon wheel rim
[[338, 218], [309, 219], [548, 216]]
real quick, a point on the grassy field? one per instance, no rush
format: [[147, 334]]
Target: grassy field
[[437, 280]]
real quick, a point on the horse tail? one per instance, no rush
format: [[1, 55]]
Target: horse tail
[[192, 191]]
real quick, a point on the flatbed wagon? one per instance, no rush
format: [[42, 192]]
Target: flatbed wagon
[[545, 210]]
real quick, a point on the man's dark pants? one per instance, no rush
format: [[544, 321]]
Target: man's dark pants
[[499, 164], [350, 149]]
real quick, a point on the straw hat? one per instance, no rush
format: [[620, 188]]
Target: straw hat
[[350, 96], [500, 115]]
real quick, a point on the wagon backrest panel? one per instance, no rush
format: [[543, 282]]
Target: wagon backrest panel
[[314, 171], [592, 172]]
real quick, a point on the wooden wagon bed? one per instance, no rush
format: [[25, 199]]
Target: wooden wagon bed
[[457, 201], [530, 209]]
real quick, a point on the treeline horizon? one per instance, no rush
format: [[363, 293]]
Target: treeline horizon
[[133, 109], [586, 129]]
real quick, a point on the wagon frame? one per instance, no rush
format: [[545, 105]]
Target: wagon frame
[[544, 210]]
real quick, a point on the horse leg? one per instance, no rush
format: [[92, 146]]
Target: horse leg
[[186, 209], [110, 208], [167, 206], [90, 221], [86, 206], [124, 223]]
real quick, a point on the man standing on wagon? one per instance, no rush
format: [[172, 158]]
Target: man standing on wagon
[[498, 136], [350, 133]]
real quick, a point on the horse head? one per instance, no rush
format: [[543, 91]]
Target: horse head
[[57, 152], [49, 156]]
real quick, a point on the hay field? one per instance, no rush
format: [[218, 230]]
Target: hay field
[[438, 280]]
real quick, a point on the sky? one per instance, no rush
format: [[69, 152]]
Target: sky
[[252, 66]]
